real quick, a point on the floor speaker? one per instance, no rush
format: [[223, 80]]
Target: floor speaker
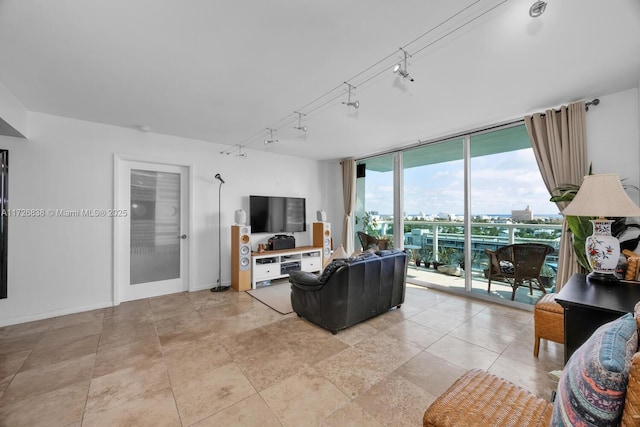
[[241, 257], [322, 239]]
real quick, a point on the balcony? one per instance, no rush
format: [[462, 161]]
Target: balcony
[[430, 242]]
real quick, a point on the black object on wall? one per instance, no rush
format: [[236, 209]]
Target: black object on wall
[[4, 219], [361, 170]]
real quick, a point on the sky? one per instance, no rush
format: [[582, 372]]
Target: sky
[[500, 183]]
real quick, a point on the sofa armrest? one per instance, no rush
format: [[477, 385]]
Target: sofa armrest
[[305, 280]]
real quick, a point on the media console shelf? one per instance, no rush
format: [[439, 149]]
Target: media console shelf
[[272, 265]]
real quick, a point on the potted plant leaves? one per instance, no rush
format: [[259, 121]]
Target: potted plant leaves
[[417, 259], [444, 257], [425, 254], [547, 275], [580, 226]]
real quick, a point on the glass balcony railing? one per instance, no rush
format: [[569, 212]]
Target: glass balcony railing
[[431, 243]]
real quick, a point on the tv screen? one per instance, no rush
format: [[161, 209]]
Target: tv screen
[[270, 214]]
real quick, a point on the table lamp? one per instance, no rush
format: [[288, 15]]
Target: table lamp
[[602, 196]]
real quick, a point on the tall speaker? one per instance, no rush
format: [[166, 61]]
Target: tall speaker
[[322, 239], [241, 257]]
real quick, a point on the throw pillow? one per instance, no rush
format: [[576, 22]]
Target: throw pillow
[[592, 388], [506, 267], [362, 255], [387, 252], [337, 254]]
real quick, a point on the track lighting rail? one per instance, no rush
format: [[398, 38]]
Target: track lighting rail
[[383, 64]]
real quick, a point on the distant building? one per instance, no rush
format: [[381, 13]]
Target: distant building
[[522, 215], [447, 215]]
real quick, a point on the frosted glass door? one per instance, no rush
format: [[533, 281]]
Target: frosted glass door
[[155, 226]]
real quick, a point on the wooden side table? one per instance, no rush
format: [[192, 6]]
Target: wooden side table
[[588, 304]]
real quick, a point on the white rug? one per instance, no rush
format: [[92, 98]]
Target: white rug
[[276, 296]]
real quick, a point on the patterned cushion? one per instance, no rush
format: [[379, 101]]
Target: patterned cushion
[[592, 387], [506, 267]]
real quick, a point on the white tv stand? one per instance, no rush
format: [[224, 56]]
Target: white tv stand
[[271, 265]]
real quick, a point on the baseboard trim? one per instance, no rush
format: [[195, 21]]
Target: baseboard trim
[[56, 313]]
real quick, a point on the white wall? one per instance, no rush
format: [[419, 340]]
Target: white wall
[[63, 265], [613, 137]]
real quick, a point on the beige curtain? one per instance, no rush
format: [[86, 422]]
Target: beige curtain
[[558, 140], [349, 196]]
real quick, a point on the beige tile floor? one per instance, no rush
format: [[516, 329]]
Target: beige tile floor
[[225, 359]]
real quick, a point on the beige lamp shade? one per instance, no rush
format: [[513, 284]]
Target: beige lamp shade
[[602, 195]]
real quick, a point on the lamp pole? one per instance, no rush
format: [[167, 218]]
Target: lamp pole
[[219, 287]]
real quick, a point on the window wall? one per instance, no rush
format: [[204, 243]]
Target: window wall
[[374, 213], [434, 203], [458, 197]]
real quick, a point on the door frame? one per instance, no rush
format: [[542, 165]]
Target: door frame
[[119, 164]]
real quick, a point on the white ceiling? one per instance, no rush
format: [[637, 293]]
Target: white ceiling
[[224, 71]]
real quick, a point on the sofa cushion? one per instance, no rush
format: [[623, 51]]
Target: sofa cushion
[[591, 390], [331, 268]]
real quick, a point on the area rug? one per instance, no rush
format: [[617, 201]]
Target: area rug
[[276, 296]]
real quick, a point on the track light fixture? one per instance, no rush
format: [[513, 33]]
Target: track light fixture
[[382, 66], [232, 149], [270, 140], [354, 104], [537, 9], [299, 127], [403, 71]]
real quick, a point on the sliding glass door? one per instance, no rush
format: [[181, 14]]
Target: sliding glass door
[[509, 204], [374, 213], [460, 196], [434, 209]]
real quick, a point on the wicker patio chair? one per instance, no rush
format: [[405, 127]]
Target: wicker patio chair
[[516, 264], [367, 241]]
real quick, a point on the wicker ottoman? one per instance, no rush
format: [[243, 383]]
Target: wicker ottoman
[[548, 321], [481, 399]]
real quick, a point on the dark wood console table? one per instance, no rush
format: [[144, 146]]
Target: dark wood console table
[[589, 304]]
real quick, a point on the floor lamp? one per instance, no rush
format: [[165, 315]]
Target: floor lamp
[[219, 287]]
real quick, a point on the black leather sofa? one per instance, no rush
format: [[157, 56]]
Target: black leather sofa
[[350, 290]]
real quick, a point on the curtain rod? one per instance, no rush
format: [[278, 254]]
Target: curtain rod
[[595, 101]]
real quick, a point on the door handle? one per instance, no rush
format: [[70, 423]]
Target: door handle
[[184, 236]]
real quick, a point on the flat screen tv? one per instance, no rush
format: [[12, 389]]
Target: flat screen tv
[[269, 214]]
